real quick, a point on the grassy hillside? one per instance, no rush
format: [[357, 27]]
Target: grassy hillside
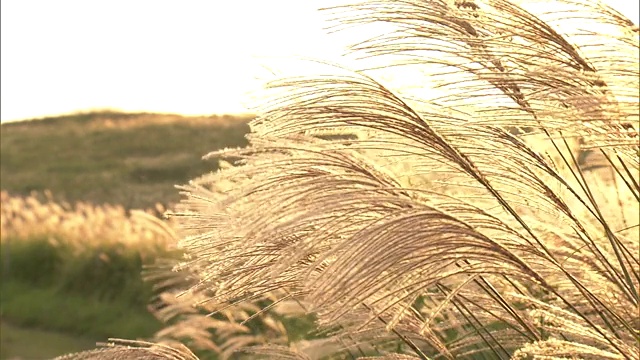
[[77, 269], [129, 159]]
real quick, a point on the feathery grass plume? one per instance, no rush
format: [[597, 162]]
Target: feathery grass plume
[[282, 352], [464, 222], [134, 350], [189, 319], [438, 224], [38, 215]]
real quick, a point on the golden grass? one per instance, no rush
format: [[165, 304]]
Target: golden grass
[[165, 119], [82, 228], [82, 225], [467, 225]]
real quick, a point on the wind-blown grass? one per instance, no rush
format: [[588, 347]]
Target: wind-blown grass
[[465, 225]]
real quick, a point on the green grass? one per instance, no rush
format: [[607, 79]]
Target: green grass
[[17, 342], [72, 292], [58, 286], [108, 272], [55, 310], [129, 159]]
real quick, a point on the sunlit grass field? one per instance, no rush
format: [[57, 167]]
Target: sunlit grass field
[[73, 244], [132, 160]]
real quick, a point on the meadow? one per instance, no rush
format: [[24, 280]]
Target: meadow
[[79, 193], [132, 160]]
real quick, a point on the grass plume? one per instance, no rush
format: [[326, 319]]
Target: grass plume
[[466, 224]]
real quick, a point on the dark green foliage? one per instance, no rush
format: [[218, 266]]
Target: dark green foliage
[[95, 291], [49, 308], [29, 343], [106, 272], [34, 262]]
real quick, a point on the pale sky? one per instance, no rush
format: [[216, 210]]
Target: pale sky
[[187, 57]]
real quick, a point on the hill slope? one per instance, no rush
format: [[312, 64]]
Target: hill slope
[[129, 159]]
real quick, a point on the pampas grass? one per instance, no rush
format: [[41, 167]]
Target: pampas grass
[[77, 224], [133, 350], [467, 224], [80, 246]]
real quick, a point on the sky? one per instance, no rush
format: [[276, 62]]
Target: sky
[[190, 57]]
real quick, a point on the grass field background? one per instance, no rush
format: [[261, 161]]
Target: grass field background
[[72, 253], [133, 160]]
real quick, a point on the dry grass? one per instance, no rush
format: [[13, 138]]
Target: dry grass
[[144, 120], [464, 225], [81, 225], [123, 350]]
